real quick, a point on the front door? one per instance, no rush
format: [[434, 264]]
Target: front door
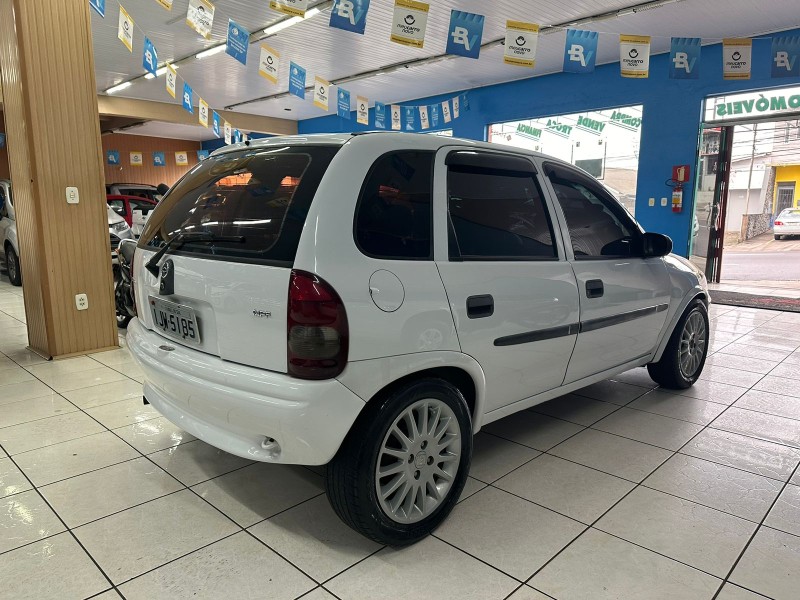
[[511, 290], [623, 297]]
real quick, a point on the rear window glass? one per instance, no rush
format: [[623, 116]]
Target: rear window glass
[[139, 192], [256, 199]]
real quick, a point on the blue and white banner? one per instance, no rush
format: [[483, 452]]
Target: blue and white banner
[[464, 102], [350, 15], [684, 59], [466, 31], [397, 121], [238, 41], [433, 113], [446, 111], [237, 136], [150, 57], [456, 107], [99, 6], [343, 104], [159, 159], [203, 154], [216, 124], [786, 56], [410, 117], [187, 98], [112, 156], [581, 51], [423, 117], [380, 115], [297, 80]]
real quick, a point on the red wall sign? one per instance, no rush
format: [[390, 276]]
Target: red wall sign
[[681, 173]]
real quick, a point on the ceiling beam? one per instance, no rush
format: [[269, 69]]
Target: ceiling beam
[[148, 110]]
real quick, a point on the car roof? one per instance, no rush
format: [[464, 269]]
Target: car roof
[[420, 141], [145, 186], [124, 197]]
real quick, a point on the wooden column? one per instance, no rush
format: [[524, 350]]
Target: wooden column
[[53, 138]]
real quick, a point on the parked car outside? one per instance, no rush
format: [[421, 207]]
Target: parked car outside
[[127, 206], [142, 190], [787, 224], [369, 302], [117, 228]]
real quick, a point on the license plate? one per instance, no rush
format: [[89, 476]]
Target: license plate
[[175, 321]]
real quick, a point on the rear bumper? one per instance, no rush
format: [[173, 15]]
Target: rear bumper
[[787, 229], [234, 407]]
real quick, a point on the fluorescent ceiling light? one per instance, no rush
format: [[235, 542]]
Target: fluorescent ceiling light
[[280, 26], [118, 88], [210, 52], [160, 72]]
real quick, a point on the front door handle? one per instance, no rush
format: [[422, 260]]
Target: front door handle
[[594, 288], [480, 307]]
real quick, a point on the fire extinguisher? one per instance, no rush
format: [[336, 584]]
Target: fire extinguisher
[[681, 174], [677, 198]]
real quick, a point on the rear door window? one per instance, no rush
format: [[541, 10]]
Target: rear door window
[[393, 218], [256, 199]]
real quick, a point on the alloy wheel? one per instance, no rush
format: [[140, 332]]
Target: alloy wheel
[[693, 345]]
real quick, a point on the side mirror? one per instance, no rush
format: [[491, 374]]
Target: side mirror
[[656, 245]]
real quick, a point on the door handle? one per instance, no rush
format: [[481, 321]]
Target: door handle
[[594, 288], [480, 307]]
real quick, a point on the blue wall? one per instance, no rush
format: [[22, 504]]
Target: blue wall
[[670, 129]]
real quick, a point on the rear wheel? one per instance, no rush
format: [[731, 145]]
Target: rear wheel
[[12, 264], [686, 351], [778, 237], [404, 464]]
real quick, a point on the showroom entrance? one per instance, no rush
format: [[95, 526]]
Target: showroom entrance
[[748, 193]]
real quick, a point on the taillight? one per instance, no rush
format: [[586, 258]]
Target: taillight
[[317, 328], [778, 222]]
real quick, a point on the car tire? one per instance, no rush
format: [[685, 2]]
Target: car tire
[[123, 320], [686, 352], [12, 264], [778, 237], [417, 489]]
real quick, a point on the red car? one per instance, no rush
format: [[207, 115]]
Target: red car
[[125, 205]]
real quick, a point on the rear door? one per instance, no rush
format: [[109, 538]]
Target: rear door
[[511, 290], [623, 297], [231, 286]]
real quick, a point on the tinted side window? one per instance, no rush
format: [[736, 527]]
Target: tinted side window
[[598, 226], [393, 218], [497, 215]]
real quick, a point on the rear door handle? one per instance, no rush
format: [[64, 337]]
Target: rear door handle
[[480, 307], [594, 288]]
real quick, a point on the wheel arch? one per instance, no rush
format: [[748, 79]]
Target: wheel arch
[[695, 294]]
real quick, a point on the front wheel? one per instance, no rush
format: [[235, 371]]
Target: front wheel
[[12, 264], [404, 464], [685, 354]]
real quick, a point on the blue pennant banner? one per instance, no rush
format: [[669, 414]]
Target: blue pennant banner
[[343, 104], [350, 15], [112, 157], [203, 154], [466, 31], [216, 124], [786, 56], [187, 98], [238, 41], [410, 120], [159, 159], [684, 59], [150, 57], [297, 80], [380, 115], [581, 51], [433, 114], [99, 6]]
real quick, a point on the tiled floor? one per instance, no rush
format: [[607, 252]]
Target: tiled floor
[[617, 491]]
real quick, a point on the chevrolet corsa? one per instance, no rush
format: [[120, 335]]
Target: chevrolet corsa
[[368, 302]]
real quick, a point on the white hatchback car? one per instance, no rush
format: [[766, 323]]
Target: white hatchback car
[[370, 301], [787, 223]]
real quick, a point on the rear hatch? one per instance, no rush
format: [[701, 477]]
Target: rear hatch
[[231, 226]]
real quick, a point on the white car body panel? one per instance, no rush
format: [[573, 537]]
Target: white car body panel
[[790, 222], [405, 317], [8, 223]]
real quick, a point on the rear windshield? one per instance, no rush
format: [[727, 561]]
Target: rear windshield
[[140, 192], [256, 199]]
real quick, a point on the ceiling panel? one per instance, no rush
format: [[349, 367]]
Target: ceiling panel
[[334, 54]]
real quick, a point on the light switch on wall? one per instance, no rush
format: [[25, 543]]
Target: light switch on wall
[[652, 201], [664, 202], [72, 195], [81, 302]]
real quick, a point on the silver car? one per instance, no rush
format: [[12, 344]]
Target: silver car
[[787, 223]]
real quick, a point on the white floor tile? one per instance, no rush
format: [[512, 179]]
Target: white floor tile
[[471, 487], [771, 565], [785, 515], [134, 541], [760, 425], [49, 431], [25, 518], [197, 461], [704, 538], [571, 489], [319, 594], [69, 381], [53, 569], [598, 566], [649, 428], [534, 430], [405, 574], [236, 567], [99, 395], [260, 491], [154, 435], [34, 409], [122, 413], [719, 374], [744, 363], [613, 392], [17, 392], [511, 534], [638, 376], [14, 375], [722, 393], [68, 459], [12, 481], [734, 491], [527, 593], [779, 385], [576, 409], [774, 404], [612, 454], [98, 494], [670, 404], [493, 457], [313, 538], [733, 592]]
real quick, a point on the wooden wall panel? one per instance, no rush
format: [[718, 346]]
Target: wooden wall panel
[[148, 173], [54, 142]]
